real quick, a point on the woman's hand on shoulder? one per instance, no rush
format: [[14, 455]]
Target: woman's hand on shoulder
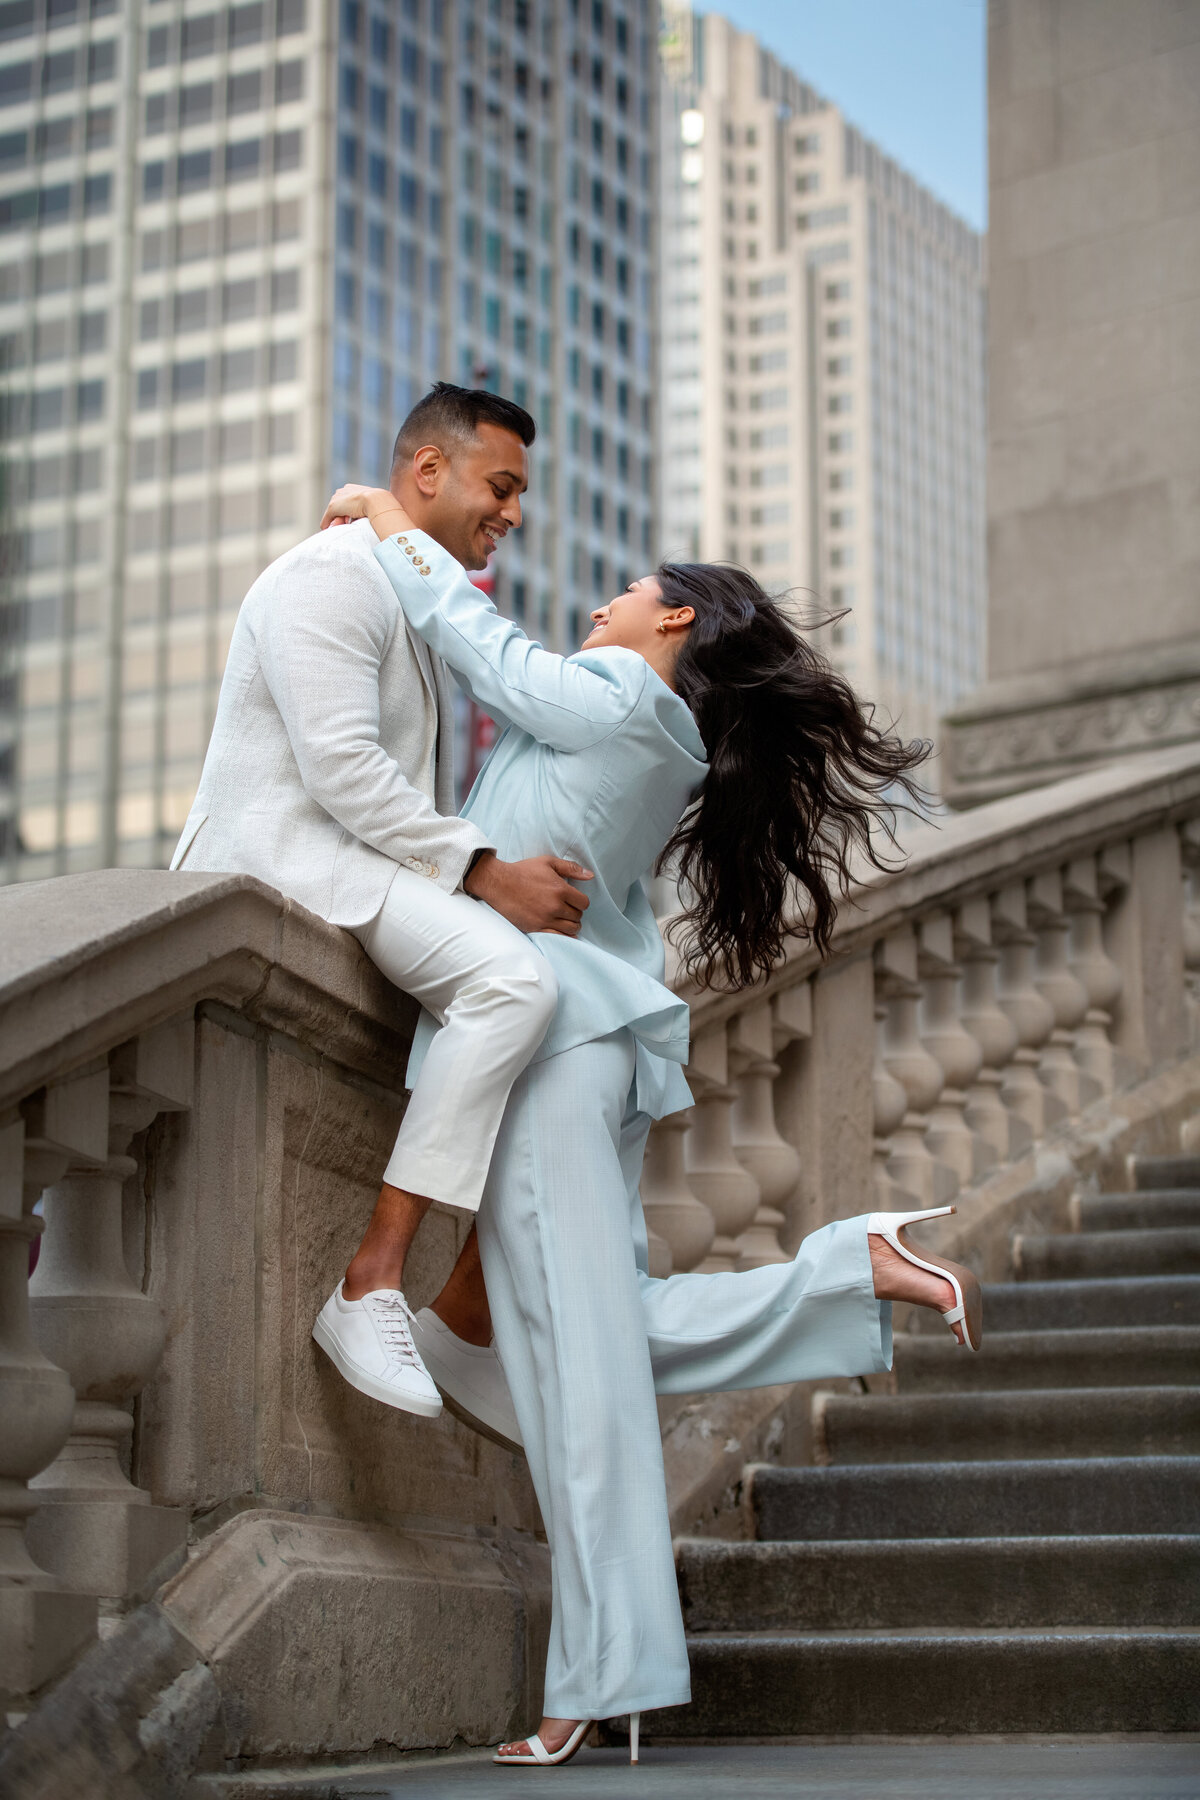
[[377, 504]]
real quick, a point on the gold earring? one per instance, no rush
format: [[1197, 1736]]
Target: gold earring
[[662, 625]]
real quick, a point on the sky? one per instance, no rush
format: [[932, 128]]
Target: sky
[[909, 73]]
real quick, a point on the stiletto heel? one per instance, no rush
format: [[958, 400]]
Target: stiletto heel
[[968, 1296], [635, 1720]]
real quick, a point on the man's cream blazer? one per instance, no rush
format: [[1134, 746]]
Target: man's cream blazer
[[331, 758]]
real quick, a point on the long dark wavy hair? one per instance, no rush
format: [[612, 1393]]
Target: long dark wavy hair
[[800, 778]]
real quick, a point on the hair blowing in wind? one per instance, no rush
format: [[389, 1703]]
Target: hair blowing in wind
[[801, 780]]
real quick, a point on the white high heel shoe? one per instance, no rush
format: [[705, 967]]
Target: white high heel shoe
[[539, 1754], [968, 1296]]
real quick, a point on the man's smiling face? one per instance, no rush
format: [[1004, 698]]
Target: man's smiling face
[[477, 488]]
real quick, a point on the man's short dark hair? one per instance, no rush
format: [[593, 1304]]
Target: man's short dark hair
[[449, 412]]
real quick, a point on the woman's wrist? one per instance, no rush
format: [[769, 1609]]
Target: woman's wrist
[[388, 519]]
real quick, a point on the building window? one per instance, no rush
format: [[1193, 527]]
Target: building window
[[242, 160]]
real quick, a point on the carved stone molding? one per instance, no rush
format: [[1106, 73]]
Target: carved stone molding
[[990, 754]]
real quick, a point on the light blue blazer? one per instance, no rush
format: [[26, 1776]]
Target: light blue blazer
[[597, 761]]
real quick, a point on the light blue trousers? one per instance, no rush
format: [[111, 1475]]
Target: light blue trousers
[[586, 1337]]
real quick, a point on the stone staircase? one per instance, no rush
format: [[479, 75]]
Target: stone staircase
[[1009, 1542]]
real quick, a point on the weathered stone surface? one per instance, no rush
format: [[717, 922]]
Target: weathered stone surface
[[330, 1637], [1094, 374], [905, 1583], [126, 1724], [940, 1682]]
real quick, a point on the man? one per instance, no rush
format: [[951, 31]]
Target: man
[[329, 775]]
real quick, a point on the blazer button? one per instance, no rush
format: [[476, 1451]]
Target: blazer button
[[434, 870]]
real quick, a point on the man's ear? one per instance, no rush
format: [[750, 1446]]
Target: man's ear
[[428, 467]]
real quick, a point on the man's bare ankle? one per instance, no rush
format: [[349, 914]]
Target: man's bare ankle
[[472, 1327], [357, 1282]]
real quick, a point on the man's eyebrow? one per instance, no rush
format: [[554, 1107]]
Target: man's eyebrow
[[518, 481]]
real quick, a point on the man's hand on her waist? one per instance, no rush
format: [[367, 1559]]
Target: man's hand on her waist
[[534, 894]]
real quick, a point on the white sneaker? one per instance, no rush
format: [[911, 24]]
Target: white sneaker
[[471, 1379], [369, 1341]]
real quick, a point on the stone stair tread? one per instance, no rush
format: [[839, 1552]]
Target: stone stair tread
[[1166, 1171], [1127, 1356], [1144, 1209], [1049, 1496], [1175, 1250], [934, 1681], [992, 1424], [964, 1582], [1073, 1305], [955, 1634]]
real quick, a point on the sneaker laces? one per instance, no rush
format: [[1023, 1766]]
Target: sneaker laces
[[392, 1318]]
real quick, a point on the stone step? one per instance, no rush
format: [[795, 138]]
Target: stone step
[[1081, 1254], [1166, 1171], [1075, 1306], [883, 1584], [979, 1427], [1067, 1497], [925, 1683], [1143, 1210], [1139, 1356]]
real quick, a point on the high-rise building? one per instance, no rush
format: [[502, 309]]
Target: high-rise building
[[822, 368], [236, 243]]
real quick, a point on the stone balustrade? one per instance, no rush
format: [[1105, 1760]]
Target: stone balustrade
[[1006, 993], [199, 1083]]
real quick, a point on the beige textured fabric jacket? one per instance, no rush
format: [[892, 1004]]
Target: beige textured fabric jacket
[[331, 758]]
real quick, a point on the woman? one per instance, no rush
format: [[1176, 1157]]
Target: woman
[[694, 723]]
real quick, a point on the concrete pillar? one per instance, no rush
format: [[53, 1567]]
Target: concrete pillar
[[823, 1100]]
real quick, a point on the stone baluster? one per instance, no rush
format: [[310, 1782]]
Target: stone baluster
[[910, 1162], [889, 1103], [1057, 983], [672, 1211], [757, 1034], [715, 1175], [1189, 843], [94, 1528], [949, 1137], [1001, 1134], [43, 1627], [1031, 1015], [1095, 969]]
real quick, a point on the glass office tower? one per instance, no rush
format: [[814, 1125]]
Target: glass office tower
[[235, 245], [822, 367]]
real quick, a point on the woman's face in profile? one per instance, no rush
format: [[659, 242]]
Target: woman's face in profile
[[631, 620]]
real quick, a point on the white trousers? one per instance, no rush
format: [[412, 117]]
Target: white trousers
[[493, 994], [586, 1337]]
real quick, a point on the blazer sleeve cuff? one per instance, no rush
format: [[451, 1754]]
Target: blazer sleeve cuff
[[454, 860]]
